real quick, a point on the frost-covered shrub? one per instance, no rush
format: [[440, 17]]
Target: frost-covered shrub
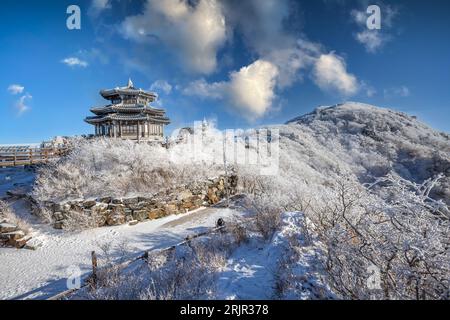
[[239, 232], [118, 168], [213, 254], [186, 272], [403, 235], [107, 167]]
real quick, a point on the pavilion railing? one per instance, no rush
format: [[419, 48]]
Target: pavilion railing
[[19, 156]]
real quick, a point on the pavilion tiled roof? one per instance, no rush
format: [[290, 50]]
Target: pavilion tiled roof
[[126, 117], [128, 90], [120, 107]]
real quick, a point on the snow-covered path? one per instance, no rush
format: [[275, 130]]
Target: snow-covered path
[[39, 274], [248, 274], [253, 269]]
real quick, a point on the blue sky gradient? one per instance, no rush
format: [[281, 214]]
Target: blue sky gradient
[[409, 71]]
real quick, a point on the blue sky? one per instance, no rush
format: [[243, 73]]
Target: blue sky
[[244, 63]]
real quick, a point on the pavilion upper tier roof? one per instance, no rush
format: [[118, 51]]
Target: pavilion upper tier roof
[[127, 90], [126, 117], [127, 108]]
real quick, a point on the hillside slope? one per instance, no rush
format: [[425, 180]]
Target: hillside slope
[[370, 142]]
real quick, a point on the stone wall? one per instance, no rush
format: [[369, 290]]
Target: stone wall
[[115, 211], [11, 234]]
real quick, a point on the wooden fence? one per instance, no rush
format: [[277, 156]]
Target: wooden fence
[[20, 156], [91, 278]]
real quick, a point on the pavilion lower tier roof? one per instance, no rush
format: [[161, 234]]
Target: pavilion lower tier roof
[[124, 108], [126, 117]]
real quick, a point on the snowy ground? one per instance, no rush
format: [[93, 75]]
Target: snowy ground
[[14, 178], [250, 273], [39, 274]]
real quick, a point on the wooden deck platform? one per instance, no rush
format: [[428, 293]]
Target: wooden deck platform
[[13, 156]]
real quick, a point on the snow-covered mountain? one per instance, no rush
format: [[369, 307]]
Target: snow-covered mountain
[[370, 142]]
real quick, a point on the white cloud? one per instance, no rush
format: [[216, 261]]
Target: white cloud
[[15, 89], [92, 55], [368, 89], [261, 23], [402, 92], [97, 6], [203, 89], [161, 85], [374, 40], [252, 88], [194, 32], [249, 91], [74, 62], [330, 74], [291, 60], [370, 92], [21, 104], [263, 27], [371, 39]]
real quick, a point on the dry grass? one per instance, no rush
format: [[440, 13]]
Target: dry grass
[[239, 232]]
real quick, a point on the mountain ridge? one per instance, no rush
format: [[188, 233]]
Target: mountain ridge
[[375, 141]]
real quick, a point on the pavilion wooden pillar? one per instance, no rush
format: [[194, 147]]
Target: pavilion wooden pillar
[[120, 129], [138, 131]]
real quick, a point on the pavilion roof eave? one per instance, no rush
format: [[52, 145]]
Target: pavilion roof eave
[[130, 91], [124, 108], [115, 117]]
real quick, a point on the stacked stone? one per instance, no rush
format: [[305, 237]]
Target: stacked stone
[[108, 211], [11, 235]]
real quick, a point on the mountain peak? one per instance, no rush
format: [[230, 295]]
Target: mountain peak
[[354, 111]]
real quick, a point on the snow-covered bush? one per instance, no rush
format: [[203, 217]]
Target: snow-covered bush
[[186, 272], [118, 168], [402, 237], [107, 167], [238, 230], [298, 273]]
